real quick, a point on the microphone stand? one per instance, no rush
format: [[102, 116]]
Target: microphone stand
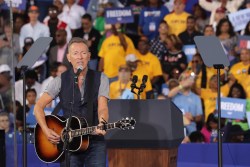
[[67, 128], [140, 89], [133, 86]]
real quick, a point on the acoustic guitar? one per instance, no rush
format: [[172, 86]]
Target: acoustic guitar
[[78, 135]]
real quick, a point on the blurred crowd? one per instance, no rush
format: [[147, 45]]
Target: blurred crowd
[[153, 45]]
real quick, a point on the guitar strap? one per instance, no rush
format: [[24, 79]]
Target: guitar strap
[[89, 92], [57, 109]]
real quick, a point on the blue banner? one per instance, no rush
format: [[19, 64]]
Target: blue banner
[[233, 108], [119, 15], [19, 4]]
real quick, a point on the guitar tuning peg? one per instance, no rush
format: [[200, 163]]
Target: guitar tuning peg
[[133, 127], [131, 118]]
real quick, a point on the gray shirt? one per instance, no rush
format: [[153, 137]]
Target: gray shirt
[[5, 52], [54, 87]]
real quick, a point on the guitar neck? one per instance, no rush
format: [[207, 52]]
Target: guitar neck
[[90, 130]]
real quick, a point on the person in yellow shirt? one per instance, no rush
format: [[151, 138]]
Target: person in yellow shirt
[[137, 68], [209, 95], [113, 52], [177, 20], [120, 89], [241, 70], [150, 61], [203, 73]]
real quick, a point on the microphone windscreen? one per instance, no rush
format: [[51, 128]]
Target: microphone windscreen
[[144, 78], [135, 79]]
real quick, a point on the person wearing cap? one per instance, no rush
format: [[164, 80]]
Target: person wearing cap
[[139, 69], [34, 28], [188, 102], [150, 61], [119, 88], [5, 49], [72, 13], [220, 13], [231, 6], [177, 20], [87, 82]]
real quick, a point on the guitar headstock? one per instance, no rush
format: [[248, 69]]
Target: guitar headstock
[[126, 123]]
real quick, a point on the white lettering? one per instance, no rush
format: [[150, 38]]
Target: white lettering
[[119, 13], [229, 106]]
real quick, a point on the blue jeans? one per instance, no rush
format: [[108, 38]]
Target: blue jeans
[[94, 156], [93, 64]]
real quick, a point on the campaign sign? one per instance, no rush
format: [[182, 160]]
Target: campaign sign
[[19, 4], [244, 42], [239, 19], [233, 108], [119, 15], [189, 51]]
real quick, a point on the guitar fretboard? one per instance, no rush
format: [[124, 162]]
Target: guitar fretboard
[[90, 130]]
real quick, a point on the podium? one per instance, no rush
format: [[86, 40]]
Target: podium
[[158, 132]]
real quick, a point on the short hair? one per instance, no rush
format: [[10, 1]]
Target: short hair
[[3, 113], [30, 90], [163, 22], [191, 17], [54, 66], [53, 7], [87, 16], [62, 30], [77, 40], [31, 74]]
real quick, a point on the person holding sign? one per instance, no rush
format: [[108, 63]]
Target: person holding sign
[[231, 6], [237, 91]]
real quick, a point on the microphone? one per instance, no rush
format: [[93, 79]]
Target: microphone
[[79, 70], [143, 84], [144, 79], [133, 84], [134, 79]]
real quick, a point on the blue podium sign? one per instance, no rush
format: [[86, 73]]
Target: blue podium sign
[[19, 4], [119, 15], [233, 108]]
